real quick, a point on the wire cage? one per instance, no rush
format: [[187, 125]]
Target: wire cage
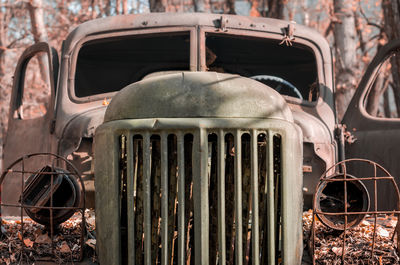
[[355, 196], [42, 209]]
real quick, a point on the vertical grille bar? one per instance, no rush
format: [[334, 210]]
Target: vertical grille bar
[[181, 200], [109, 228], [254, 190], [238, 199], [130, 198], [164, 200], [270, 199], [201, 191], [200, 197], [221, 198], [147, 197]]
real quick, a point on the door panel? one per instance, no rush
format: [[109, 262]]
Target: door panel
[[31, 114], [371, 119]]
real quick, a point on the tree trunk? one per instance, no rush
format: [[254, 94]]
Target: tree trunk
[[229, 7], [124, 7], [201, 6], [118, 7], [254, 8], [346, 60], [391, 11], [5, 17], [158, 5], [2, 72], [305, 10], [106, 7], [2, 42], [275, 8], [39, 32], [84, 12], [93, 6]]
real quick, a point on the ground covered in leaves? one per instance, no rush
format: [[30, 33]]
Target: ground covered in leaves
[[35, 244], [329, 243]]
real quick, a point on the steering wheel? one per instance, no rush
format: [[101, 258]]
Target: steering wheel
[[279, 84]]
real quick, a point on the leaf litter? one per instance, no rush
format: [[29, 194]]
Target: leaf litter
[[329, 242], [36, 244]]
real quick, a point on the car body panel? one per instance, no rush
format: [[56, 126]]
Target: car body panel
[[376, 139]]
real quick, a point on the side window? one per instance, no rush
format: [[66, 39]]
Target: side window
[[36, 88], [384, 97]]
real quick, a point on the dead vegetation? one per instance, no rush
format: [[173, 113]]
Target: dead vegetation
[[329, 242], [36, 244]]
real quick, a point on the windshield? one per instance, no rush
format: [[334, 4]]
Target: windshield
[[107, 65], [290, 70]]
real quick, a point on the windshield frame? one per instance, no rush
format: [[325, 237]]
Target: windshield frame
[[307, 44]]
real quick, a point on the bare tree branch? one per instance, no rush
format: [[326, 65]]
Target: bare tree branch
[[369, 23]]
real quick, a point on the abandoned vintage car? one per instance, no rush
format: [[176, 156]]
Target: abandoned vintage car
[[218, 128]]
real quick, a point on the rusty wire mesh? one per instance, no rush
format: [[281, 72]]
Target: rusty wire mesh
[[341, 169], [27, 247]]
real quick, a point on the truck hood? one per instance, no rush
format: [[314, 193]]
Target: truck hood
[[198, 95], [188, 95]]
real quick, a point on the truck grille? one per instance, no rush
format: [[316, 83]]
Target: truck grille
[[200, 196]]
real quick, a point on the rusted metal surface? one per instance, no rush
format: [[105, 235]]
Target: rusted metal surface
[[40, 189], [42, 203], [376, 138], [30, 135], [352, 216], [330, 198]]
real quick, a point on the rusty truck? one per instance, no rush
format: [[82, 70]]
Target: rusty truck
[[197, 137]]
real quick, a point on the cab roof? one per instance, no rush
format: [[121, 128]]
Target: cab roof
[[155, 20]]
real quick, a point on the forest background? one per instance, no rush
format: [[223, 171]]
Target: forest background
[[355, 29]]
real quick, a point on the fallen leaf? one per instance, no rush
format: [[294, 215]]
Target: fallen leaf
[[3, 230], [91, 221], [37, 232], [64, 247], [13, 258], [3, 245], [382, 232], [91, 243], [19, 236], [391, 223], [75, 247], [43, 239], [337, 251], [28, 242]]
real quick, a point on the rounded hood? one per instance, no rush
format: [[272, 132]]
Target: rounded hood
[[198, 95]]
